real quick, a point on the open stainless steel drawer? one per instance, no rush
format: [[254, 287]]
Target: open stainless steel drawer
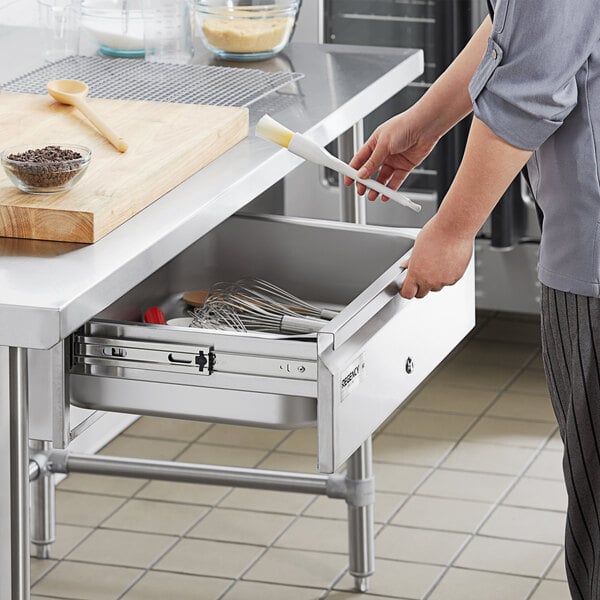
[[347, 379]]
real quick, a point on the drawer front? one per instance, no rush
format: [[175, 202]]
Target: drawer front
[[368, 373], [347, 379]]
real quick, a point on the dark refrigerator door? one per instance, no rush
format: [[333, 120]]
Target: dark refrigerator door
[[441, 28]]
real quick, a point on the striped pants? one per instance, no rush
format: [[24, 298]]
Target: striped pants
[[571, 352]]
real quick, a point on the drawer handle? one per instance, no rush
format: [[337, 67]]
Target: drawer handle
[[180, 359]]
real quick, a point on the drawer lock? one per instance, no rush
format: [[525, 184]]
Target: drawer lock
[[205, 360], [118, 352]]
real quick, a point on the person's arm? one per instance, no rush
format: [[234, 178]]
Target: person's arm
[[448, 100], [400, 144], [443, 248], [523, 90]]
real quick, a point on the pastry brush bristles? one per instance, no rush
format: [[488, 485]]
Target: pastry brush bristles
[[269, 129]]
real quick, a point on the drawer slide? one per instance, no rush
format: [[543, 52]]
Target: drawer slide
[[114, 352]]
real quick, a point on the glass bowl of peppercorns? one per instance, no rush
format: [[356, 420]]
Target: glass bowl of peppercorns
[[46, 170]]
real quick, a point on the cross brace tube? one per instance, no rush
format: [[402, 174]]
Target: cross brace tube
[[355, 492]]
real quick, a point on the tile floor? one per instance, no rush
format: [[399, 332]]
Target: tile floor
[[470, 503]]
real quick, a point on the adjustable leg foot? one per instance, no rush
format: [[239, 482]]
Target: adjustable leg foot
[[361, 584]]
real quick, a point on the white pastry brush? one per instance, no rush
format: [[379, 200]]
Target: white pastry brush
[[269, 129]]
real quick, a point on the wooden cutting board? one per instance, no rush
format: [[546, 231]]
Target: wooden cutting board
[[167, 144]]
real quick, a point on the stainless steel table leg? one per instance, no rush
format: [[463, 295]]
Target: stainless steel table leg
[[361, 529], [19, 472], [353, 207], [43, 508]]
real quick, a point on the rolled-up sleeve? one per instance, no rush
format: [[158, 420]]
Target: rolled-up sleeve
[[526, 84]]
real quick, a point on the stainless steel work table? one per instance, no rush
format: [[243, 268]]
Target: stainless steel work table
[[49, 289]]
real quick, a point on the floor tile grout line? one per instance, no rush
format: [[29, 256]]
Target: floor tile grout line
[[498, 502], [126, 499], [544, 574], [86, 537], [169, 548], [485, 411], [394, 513], [294, 519], [494, 507], [378, 524], [464, 414], [149, 481], [435, 468], [438, 464], [203, 517], [482, 524]]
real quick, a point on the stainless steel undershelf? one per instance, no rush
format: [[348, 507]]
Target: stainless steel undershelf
[[49, 289]]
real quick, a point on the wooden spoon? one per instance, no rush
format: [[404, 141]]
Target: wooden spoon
[[73, 93], [195, 298]]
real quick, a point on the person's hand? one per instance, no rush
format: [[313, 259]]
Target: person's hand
[[395, 149], [439, 258]]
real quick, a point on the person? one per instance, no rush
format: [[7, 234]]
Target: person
[[531, 77]]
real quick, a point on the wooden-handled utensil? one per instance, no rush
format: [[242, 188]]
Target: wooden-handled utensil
[[74, 93]]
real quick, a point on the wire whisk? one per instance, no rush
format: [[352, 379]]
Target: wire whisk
[[257, 305], [267, 292]]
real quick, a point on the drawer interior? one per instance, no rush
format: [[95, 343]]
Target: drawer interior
[[320, 261]]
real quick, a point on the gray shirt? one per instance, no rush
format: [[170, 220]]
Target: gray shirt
[[538, 88]]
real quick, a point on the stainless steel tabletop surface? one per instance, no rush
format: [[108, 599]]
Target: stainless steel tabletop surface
[[49, 289]]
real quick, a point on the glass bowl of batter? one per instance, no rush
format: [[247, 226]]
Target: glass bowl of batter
[[246, 30]]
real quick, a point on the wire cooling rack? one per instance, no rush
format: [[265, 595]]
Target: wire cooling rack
[[129, 79]]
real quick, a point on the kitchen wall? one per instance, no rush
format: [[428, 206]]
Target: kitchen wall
[[18, 12]]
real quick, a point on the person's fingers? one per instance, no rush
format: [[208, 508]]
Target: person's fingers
[[384, 174], [348, 181], [385, 177], [358, 160], [397, 179], [409, 288], [361, 189], [372, 195], [373, 162], [363, 154], [422, 292]]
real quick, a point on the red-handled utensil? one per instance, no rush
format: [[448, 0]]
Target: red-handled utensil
[[155, 315]]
